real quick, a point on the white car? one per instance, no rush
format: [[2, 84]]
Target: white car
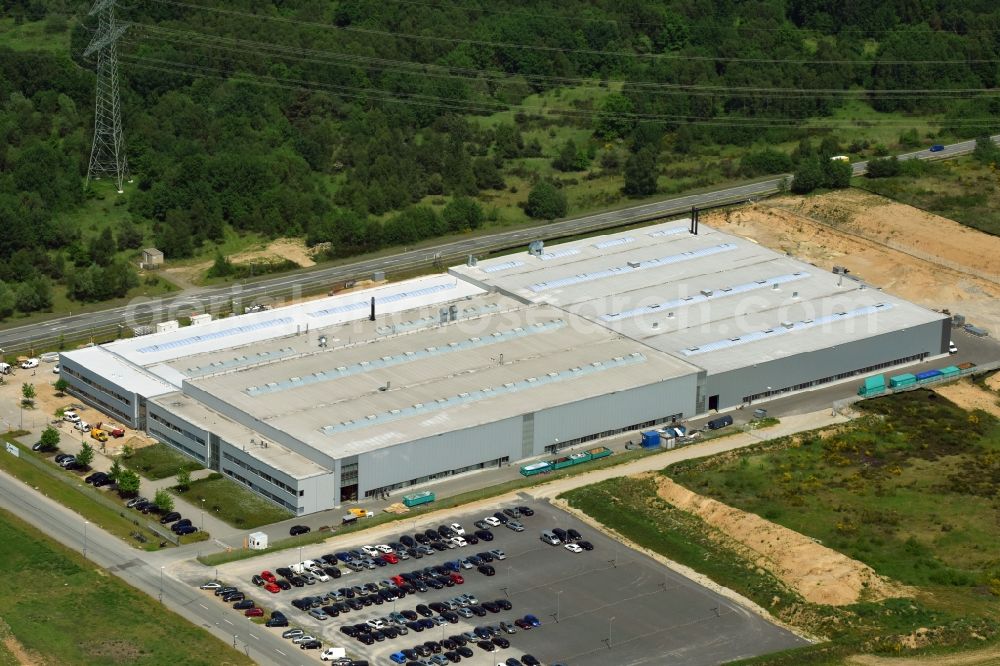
[[55, 369], [385, 548], [458, 529], [465, 564], [492, 521], [459, 541], [304, 638], [29, 363], [211, 585], [320, 575], [498, 554], [573, 548], [71, 416], [82, 426], [376, 623], [371, 551], [952, 348]]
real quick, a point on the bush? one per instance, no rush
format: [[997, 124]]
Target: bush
[[886, 167], [546, 202], [163, 501], [49, 439], [763, 162]]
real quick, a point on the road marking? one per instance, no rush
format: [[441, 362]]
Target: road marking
[[203, 606], [280, 652], [254, 637], [226, 621]]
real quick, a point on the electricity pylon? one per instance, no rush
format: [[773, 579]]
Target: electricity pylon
[[107, 156]]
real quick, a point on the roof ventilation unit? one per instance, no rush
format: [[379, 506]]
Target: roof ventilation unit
[[536, 247], [634, 264], [706, 292], [787, 324]]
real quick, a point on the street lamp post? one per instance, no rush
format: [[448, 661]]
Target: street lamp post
[[85, 523], [202, 514]]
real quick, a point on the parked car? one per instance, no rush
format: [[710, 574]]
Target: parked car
[[573, 548], [243, 604], [185, 529], [254, 612], [487, 570], [526, 510], [586, 545], [299, 529], [310, 645], [573, 535], [170, 517]]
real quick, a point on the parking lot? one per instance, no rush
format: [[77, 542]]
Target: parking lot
[[609, 605]]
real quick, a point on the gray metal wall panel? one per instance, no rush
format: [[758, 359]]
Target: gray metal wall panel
[[732, 386], [615, 410], [318, 493], [97, 390], [155, 427], [449, 450]]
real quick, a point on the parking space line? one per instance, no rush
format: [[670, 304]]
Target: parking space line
[[280, 652], [203, 606], [254, 637], [226, 621]]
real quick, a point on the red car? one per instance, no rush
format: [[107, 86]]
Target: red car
[[254, 612], [272, 588], [398, 580], [268, 576], [390, 558], [456, 578]]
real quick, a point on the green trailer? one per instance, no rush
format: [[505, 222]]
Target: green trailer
[[950, 372], [536, 468], [599, 452], [416, 499], [872, 386], [902, 381]]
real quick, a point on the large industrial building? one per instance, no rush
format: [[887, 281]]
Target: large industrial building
[[319, 403]]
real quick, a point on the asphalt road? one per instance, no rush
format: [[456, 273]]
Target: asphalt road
[[143, 571], [143, 311], [653, 614]]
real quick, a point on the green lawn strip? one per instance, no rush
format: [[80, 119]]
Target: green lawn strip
[[619, 458], [82, 615], [232, 503], [70, 491], [159, 461]]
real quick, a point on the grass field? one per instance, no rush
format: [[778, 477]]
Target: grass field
[[910, 489], [234, 504], [82, 615], [962, 189], [73, 493], [159, 461]]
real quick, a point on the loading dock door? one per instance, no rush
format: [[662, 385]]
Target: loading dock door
[[713, 402]]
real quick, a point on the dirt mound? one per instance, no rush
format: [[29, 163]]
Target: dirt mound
[[968, 396], [293, 249], [993, 381], [821, 575], [913, 254], [987, 657]]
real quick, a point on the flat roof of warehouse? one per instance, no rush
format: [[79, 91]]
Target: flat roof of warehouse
[[717, 300], [253, 328], [274, 454], [350, 399], [118, 370]]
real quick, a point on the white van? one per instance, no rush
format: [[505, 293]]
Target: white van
[[29, 363], [5, 369]]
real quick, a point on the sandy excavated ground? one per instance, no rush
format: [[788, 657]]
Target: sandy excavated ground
[[987, 657], [993, 381], [968, 396], [921, 257], [293, 249], [821, 575]]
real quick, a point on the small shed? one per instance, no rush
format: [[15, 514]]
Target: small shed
[[257, 541], [151, 258]]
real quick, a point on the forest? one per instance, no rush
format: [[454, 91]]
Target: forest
[[361, 125]]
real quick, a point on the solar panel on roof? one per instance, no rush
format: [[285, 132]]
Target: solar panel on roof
[[407, 356], [615, 242], [642, 265], [506, 266], [706, 295], [667, 232], [215, 335], [786, 327], [467, 397]]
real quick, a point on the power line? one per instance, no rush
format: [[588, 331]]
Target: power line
[[556, 49], [488, 107], [469, 74]]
